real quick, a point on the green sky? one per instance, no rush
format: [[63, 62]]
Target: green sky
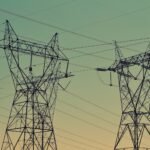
[[102, 20]]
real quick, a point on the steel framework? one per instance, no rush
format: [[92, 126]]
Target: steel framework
[[134, 86], [35, 70]]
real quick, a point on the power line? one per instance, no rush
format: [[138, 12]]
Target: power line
[[133, 40], [128, 94], [82, 66], [75, 141], [72, 145], [89, 123], [85, 46], [72, 134], [88, 113], [119, 16], [90, 46], [103, 82], [87, 68], [93, 115], [82, 143], [37, 21], [82, 137], [85, 121], [79, 109], [91, 103], [97, 45], [28, 38], [110, 49], [55, 6], [64, 48], [50, 25], [74, 50], [66, 131], [90, 54], [82, 70]]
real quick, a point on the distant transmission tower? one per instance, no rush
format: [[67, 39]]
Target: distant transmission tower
[[134, 85], [35, 70]]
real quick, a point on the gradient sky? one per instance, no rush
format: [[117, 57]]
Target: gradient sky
[[105, 20]]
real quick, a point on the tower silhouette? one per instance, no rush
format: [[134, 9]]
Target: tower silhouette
[[35, 70], [134, 87]]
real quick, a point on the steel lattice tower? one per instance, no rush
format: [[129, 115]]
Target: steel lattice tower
[[134, 87], [36, 80]]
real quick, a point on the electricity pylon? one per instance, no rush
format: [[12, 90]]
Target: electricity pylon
[[35, 70], [134, 87]]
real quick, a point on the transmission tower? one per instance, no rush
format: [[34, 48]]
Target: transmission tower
[[35, 70], [134, 87]]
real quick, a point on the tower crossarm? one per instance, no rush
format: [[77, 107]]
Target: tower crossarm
[[36, 49], [138, 60], [46, 78]]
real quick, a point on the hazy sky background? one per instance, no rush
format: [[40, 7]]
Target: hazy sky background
[[101, 21]]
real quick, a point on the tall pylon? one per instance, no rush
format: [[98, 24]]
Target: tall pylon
[[35, 70], [134, 87]]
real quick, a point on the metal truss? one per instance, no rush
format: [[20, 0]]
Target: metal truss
[[134, 87], [36, 70]]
